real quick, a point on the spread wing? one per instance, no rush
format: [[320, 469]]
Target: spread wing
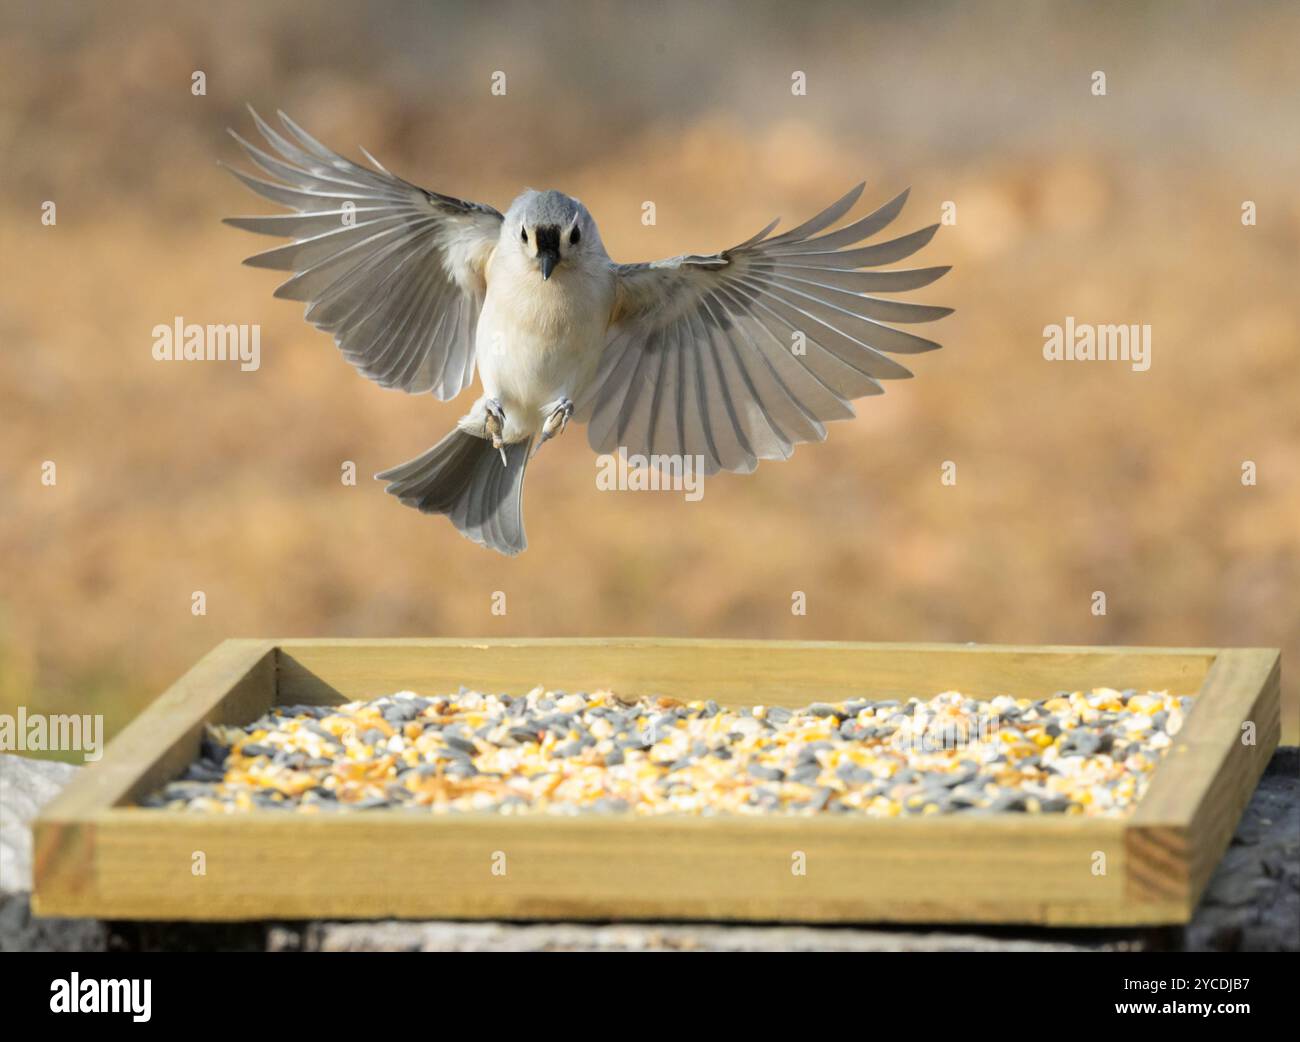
[[393, 272], [739, 356]]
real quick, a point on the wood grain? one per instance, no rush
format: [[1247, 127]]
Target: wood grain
[[1181, 828], [733, 672], [393, 864], [232, 684]]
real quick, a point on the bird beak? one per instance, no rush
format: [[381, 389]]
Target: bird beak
[[548, 259]]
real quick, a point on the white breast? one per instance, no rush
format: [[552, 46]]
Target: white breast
[[539, 341]]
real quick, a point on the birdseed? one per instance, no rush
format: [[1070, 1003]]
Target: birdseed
[[1074, 753]]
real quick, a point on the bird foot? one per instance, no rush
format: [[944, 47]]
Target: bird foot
[[558, 420], [494, 425]]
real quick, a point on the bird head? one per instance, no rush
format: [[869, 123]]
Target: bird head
[[549, 227]]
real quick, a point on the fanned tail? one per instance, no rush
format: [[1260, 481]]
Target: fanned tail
[[463, 477]]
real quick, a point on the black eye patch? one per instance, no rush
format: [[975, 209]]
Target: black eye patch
[[575, 236]]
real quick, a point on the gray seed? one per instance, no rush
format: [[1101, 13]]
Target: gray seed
[[188, 790], [401, 713], [951, 781], [202, 772], [210, 749], [320, 732], [1080, 743], [459, 744], [807, 774]]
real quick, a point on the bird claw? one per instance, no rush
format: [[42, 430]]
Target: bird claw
[[558, 421]]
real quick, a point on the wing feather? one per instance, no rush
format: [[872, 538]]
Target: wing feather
[[741, 355], [395, 273]]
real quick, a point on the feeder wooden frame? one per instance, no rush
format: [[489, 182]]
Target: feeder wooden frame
[[97, 855]]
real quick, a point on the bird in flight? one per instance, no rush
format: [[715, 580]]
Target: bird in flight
[[726, 359]]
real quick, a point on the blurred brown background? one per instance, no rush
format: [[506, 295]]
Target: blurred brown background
[[1072, 477]]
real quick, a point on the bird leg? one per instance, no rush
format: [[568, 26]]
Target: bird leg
[[494, 424], [560, 413]]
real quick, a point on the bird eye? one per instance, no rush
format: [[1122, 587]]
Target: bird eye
[[523, 234], [574, 236]]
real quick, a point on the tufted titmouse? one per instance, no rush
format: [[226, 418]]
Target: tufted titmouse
[[733, 357]]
